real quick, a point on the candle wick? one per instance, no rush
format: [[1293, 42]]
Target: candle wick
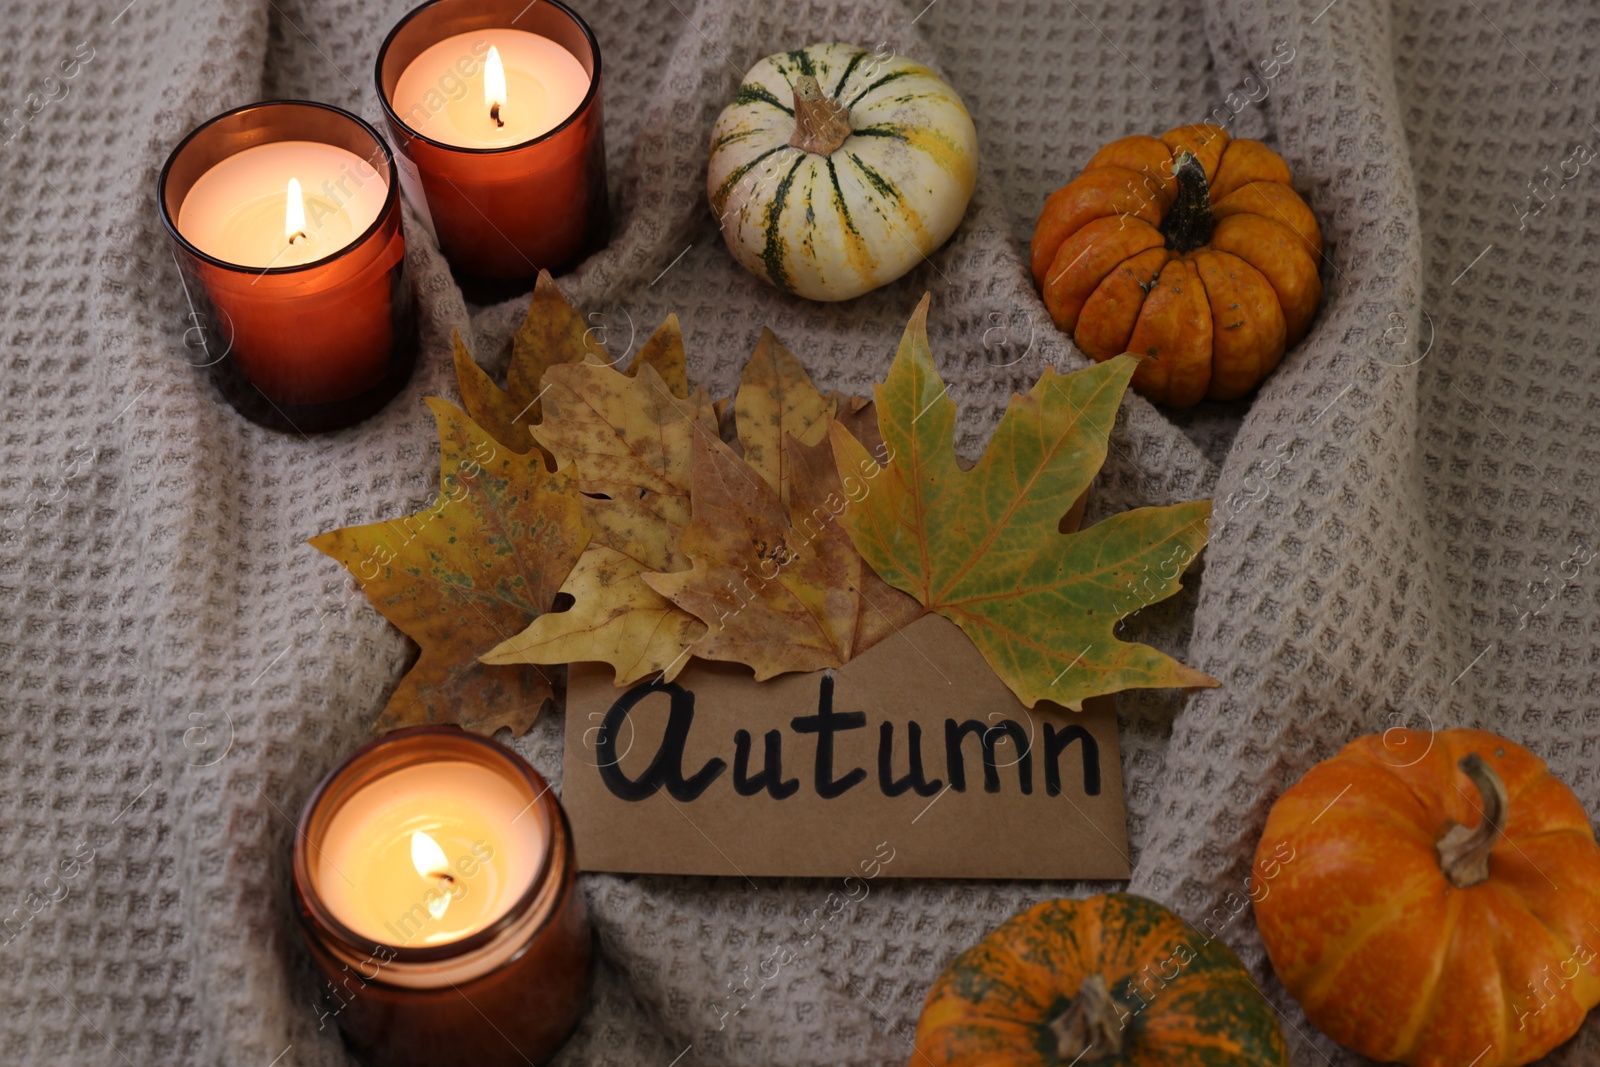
[[443, 876], [299, 235], [494, 113]]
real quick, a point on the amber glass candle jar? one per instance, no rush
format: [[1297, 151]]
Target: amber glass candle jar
[[505, 199], [436, 889], [303, 311]]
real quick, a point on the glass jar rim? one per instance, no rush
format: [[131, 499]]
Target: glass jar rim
[[311, 901], [390, 200], [577, 112]]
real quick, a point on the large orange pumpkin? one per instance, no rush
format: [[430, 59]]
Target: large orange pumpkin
[[1112, 980], [1191, 249], [1442, 904]]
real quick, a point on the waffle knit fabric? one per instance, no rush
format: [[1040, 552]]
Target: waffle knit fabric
[[178, 669]]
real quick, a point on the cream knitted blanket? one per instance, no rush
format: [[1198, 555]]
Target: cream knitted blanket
[[1398, 508]]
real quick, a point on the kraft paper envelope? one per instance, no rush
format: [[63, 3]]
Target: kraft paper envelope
[[1005, 791]]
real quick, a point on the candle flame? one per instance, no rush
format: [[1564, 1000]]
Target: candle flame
[[494, 85], [429, 860], [294, 214], [427, 856]]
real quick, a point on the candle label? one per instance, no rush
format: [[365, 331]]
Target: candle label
[[916, 742], [411, 185]]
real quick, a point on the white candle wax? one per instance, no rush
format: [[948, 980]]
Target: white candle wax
[[237, 210], [429, 853], [441, 95]]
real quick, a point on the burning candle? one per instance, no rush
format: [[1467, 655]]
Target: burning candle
[[285, 220], [436, 886], [494, 109], [251, 209], [526, 86], [429, 854]]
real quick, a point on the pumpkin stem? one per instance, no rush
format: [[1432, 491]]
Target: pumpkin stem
[[1463, 852], [1090, 1030], [821, 123], [1188, 222]]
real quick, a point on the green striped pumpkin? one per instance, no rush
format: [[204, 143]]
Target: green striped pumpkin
[[1112, 981], [835, 170]]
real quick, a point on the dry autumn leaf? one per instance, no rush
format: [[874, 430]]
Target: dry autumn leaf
[[480, 564], [664, 354], [777, 398], [859, 416], [984, 548], [881, 610], [767, 597], [775, 578], [551, 335], [779, 590], [631, 442]]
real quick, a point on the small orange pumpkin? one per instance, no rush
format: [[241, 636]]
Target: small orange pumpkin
[[1440, 911], [1191, 249], [1114, 979]]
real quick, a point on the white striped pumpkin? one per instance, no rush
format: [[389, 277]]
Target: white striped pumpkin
[[859, 205]]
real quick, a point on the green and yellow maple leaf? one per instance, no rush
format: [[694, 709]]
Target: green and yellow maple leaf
[[552, 334], [984, 546], [631, 442], [478, 565]]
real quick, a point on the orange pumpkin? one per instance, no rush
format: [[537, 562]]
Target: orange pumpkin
[[1440, 909], [1191, 249], [1114, 979]]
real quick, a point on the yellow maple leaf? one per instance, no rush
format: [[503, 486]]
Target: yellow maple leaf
[[479, 564]]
